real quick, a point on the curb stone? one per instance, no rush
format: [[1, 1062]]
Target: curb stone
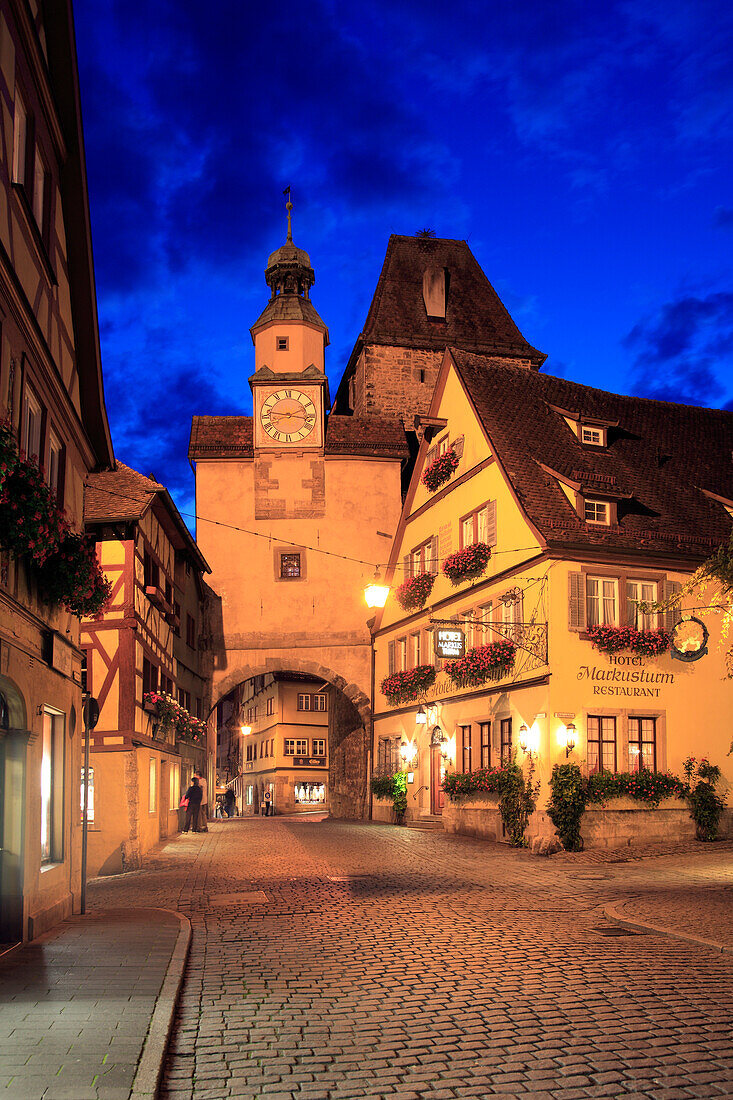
[[150, 1067], [611, 914]]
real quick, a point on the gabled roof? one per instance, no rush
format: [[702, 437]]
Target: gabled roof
[[658, 462], [124, 495], [476, 319], [231, 437]]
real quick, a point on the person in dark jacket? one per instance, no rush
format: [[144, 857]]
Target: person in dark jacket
[[230, 802], [193, 797]]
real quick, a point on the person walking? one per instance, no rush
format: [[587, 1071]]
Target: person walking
[[268, 803], [193, 807], [204, 814], [229, 802]]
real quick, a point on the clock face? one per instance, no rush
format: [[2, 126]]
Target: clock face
[[288, 416]]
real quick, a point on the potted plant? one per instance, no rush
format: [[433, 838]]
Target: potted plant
[[482, 663], [440, 470], [467, 564], [407, 686], [414, 592]]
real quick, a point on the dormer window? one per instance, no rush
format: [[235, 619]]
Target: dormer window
[[282, 343], [596, 437], [597, 511]]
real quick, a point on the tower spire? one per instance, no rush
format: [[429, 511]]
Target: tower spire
[[289, 207]]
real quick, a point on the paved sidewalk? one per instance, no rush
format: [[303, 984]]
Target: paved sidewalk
[[85, 1005]]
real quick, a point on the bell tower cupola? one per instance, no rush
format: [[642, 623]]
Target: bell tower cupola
[[289, 336]]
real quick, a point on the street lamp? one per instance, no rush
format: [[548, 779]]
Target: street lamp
[[376, 591], [569, 738]]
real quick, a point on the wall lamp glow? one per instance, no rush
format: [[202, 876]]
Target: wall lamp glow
[[523, 735], [421, 717], [569, 738], [376, 592], [408, 751], [246, 730]]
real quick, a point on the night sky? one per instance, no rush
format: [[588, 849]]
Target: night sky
[[582, 149]]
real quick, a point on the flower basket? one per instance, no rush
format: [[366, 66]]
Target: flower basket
[[414, 592], [484, 662], [30, 521], [467, 564], [643, 786], [165, 708], [72, 575], [407, 686], [614, 639], [440, 470]]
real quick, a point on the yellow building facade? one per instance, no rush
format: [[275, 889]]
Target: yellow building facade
[[585, 502]]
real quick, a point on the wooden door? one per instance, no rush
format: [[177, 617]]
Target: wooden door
[[437, 772]]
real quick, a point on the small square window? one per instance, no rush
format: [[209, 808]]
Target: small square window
[[282, 343], [289, 566], [596, 511], [593, 436]]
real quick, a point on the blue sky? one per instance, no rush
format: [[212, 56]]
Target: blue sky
[[583, 149]]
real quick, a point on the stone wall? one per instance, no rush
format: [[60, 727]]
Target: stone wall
[[474, 817], [625, 823], [391, 381], [348, 746]]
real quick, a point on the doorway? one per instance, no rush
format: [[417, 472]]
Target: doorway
[[437, 775]]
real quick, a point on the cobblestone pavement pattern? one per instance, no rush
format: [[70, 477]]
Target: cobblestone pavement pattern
[[75, 1005], [334, 960]]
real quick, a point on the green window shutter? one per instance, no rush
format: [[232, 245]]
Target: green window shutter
[[576, 601], [673, 615]]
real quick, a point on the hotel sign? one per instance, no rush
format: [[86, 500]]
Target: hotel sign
[[449, 643], [309, 761]]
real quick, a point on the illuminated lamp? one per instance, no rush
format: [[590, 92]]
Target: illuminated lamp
[[246, 730], [421, 717], [523, 732], [569, 738], [376, 592]]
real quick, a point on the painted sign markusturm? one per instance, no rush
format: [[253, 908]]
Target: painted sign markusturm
[[449, 643]]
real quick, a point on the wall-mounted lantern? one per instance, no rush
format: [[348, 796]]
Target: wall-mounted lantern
[[569, 738], [421, 717], [523, 737], [376, 591]]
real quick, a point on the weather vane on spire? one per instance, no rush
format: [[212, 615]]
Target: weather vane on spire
[[289, 207]]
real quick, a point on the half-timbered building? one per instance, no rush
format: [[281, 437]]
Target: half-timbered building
[[145, 667]]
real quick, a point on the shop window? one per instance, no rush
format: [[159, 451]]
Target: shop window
[[636, 592], [90, 797], [601, 601], [249, 795], [52, 787], [464, 737], [319, 746], [485, 734], [153, 785], [310, 794], [506, 740], [642, 744], [601, 738]]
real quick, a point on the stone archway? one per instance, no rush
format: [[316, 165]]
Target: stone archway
[[349, 729]]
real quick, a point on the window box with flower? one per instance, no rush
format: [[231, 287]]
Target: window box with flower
[[414, 592], [484, 662], [614, 639], [467, 564], [440, 470], [408, 686]]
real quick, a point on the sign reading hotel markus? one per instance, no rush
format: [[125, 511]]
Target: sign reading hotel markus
[[449, 643], [309, 761]]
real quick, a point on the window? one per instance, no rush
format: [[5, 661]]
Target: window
[[282, 343], [32, 426], [151, 573], [597, 511], [637, 591], [174, 782], [289, 749], [150, 676], [52, 787], [506, 740], [153, 785], [441, 446], [289, 566], [301, 747], [484, 633], [388, 755], [249, 754], [392, 657], [320, 701], [642, 744], [401, 654], [90, 797], [20, 141], [254, 751], [270, 706], [184, 699], [422, 559], [512, 614], [40, 184], [54, 472], [304, 702], [601, 601], [485, 732], [465, 743], [601, 743], [177, 618], [190, 631], [595, 436], [465, 621], [319, 746], [86, 671], [199, 706], [415, 649]]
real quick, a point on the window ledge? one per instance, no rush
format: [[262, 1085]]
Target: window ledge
[[51, 866]]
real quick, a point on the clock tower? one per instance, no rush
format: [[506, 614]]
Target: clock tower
[[289, 386]]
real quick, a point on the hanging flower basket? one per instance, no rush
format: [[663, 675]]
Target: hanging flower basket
[[440, 470], [407, 686], [72, 575], [467, 564], [615, 639], [484, 662], [165, 707], [414, 592]]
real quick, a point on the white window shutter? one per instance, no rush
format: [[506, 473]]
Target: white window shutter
[[491, 523], [406, 567], [673, 615], [434, 555], [576, 601]]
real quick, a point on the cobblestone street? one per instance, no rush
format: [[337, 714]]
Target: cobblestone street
[[339, 960]]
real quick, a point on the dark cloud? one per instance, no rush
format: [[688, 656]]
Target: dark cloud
[[685, 351], [723, 217]]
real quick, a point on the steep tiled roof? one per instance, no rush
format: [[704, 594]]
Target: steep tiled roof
[[659, 458], [118, 495], [231, 436], [289, 307], [476, 319]]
